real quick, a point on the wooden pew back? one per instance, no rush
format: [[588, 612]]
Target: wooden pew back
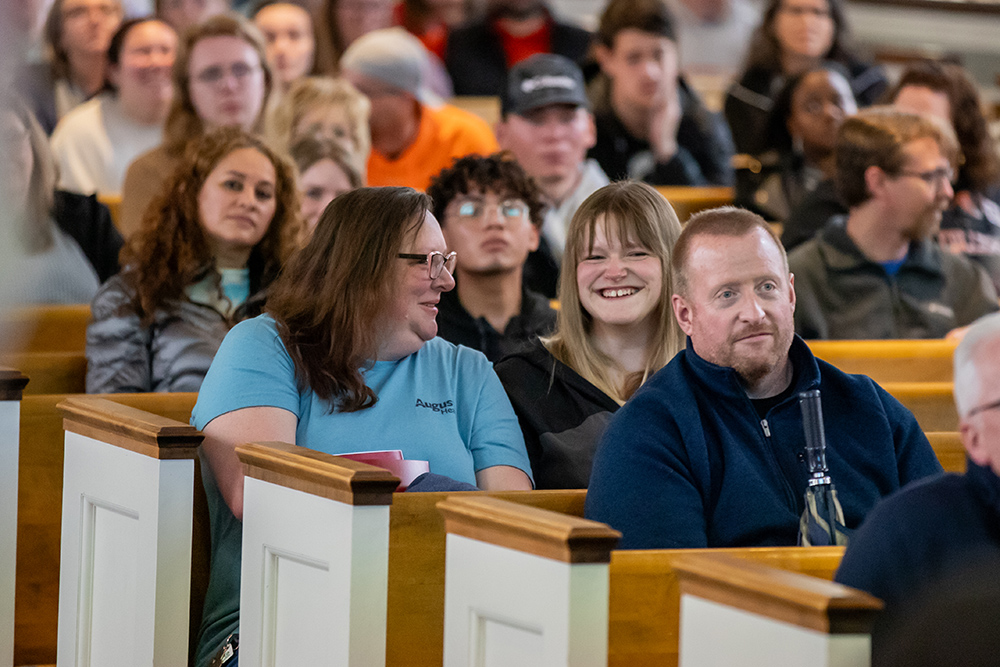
[[688, 200], [45, 328], [890, 360], [486, 107], [40, 481], [932, 403], [58, 372]]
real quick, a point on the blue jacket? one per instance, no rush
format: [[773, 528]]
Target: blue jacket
[[688, 463]]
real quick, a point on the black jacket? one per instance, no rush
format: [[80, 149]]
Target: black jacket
[[704, 148], [89, 223], [457, 326], [476, 61], [562, 416]]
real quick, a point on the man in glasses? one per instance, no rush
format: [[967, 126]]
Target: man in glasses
[[935, 529], [878, 272], [490, 213]]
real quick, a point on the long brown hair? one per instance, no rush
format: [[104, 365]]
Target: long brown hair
[[765, 51], [629, 210], [183, 121], [171, 250], [330, 299]]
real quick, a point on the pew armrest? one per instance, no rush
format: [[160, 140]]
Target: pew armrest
[[794, 598], [548, 534], [11, 384]]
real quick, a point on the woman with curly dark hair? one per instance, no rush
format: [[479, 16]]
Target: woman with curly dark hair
[[972, 225], [793, 36], [209, 246]]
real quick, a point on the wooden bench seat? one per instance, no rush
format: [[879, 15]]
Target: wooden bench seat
[[890, 360]]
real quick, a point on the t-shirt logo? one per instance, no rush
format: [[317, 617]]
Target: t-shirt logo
[[442, 408]]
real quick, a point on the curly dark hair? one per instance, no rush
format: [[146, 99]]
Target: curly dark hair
[[329, 301], [172, 251], [979, 164], [499, 172]]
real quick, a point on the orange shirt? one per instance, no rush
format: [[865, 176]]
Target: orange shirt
[[444, 134]]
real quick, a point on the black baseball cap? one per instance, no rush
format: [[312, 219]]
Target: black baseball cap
[[541, 80]]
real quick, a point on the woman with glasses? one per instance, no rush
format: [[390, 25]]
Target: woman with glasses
[[209, 246], [221, 79], [615, 328], [793, 36], [346, 359]]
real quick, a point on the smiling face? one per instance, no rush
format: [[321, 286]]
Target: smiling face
[[918, 203], [226, 82], [411, 319], [620, 282], [237, 204], [492, 234], [738, 304], [804, 28], [550, 142], [288, 31], [143, 72], [319, 184], [642, 66]]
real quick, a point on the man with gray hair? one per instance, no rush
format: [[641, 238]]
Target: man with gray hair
[[933, 529], [414, 135]]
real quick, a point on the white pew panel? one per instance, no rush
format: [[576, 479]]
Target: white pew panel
[[11, 387]]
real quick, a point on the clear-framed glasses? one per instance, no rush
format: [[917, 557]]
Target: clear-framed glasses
[[435, 261], [935, 178], [240, 71], [983, 408], [476, 209]]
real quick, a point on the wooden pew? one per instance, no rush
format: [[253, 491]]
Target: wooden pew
[[644, 596], [932, 403], [40, 483], [114, 204], [56, 372], [486, 107], [45, 328], [688, 200], [948, 447], [125, 553], [738, 612], [11, 388], [890, 360]]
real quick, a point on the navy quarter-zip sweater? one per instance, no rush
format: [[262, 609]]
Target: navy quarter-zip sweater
[[687, 462]]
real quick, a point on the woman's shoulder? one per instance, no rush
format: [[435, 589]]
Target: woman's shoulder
[[532, 356], [261, 329], [437, 350]]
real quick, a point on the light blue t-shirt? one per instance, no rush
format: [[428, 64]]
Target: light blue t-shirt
[[443, 404]]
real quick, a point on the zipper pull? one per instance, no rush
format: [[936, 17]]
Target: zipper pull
[[767, 431]]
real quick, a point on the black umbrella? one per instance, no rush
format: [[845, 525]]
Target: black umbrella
[[822, 522]]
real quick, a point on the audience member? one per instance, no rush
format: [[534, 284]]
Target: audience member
[[184, 14], [709, 453], [290, 37], [413, 137], [430, 20], [340, 22], [77, 35], [221, 79], [326, 170], [347, 359], [651, 126], [971, 225], [713, 35], [95, 142], [802, 132], [615, 328], [794, 35], [67, 242], [547, 126], [479, 54], [878, 273], [490, 213], [323, 108], [933, 530], [210, 243]]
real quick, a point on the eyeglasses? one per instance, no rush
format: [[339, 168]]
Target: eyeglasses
[[211, 76], [508, 209], [435, 261], [934, 178], [983, 408]]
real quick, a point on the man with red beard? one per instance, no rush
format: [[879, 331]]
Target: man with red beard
[[710, 452], [878, 273]]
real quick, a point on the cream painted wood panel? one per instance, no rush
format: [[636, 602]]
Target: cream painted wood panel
[[10, 428], [125, 557]]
